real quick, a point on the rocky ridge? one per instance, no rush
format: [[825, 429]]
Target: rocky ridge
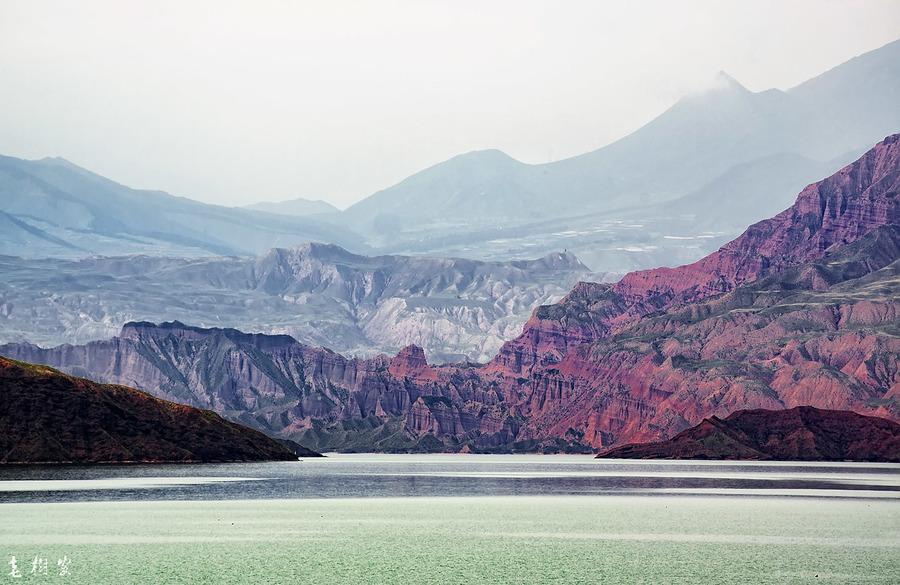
[[320, 294]]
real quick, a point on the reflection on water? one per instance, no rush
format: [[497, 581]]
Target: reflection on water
[[353, 476]]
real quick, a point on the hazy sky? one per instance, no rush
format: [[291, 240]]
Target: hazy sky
[[239, 102]]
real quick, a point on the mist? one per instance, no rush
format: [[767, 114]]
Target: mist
[[238, 103]]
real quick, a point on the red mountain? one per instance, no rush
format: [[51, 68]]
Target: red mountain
[[830, 213], [801, 309], [803, 433]]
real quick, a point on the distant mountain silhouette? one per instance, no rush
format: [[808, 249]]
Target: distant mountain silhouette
[[55, 208], [668, 193], [699, 143], [299, 207]]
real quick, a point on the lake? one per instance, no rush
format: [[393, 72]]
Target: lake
[[453, 519]]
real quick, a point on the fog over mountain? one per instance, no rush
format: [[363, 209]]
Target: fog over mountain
[[703, 147], [672, 191], [237, 103], [676, 189]]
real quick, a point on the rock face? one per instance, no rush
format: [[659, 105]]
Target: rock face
[[772, 344], [312, 395], [801, 309], [803, 433], [50, 417], [320, 294]]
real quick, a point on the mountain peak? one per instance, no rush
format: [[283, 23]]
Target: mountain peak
[[481, 161], [317, 250], [722, 78], [721, 83], [65, 163], [320, 251], [410, 362], [563, 259]]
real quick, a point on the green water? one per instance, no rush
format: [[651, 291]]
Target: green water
[[499, 539]]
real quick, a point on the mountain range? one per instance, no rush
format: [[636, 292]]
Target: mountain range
[[801, 309], [700, 142], [53, 208], [669, 193], [320, 294]]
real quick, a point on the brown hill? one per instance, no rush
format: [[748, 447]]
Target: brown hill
[[49, 417], [803, 433]]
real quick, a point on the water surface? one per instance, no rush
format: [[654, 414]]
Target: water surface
[[366, 476], [456, 519]]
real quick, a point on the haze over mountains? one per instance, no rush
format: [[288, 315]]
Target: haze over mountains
[[632, 204], [699, 143], [801, 309], [52, 208], [168, 294]]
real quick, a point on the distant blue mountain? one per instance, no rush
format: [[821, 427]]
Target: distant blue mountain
[[701, 139], [52, 207]]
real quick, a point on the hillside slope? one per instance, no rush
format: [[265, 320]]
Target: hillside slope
[[50, 417], [803, 433]]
